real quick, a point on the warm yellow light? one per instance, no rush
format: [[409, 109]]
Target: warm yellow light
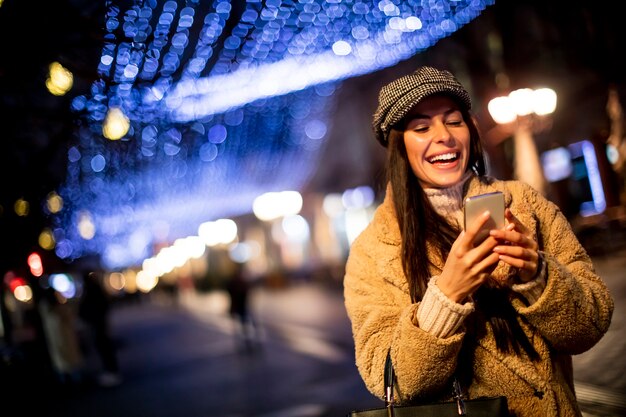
[[116, 281], [60, 79], [130, 281], [219, 232], [23, 293], [86, 227], [116, 124], [273, 205], [21, 207], [522, 102], [501, 110], [544, 101], [146, 281], [46, 239], [54, 202]]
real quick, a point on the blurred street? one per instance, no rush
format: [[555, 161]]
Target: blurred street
[[188, 358]]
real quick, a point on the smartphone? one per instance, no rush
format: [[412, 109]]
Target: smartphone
[[476, 205]]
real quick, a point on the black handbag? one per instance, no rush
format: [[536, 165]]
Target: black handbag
[[478, 407]]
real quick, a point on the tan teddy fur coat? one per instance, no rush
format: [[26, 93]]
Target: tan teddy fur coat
[[570, 317]]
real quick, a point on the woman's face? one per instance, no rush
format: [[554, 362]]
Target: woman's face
[[437, 142]]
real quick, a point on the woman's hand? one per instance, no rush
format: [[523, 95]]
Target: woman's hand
[[468, 267], [519, 248]]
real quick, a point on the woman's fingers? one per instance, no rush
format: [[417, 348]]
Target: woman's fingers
[[526, 270], [476, 233], [525, 260], [515, 238], [467, 267], [519, 226], [519, 249], [486, 265], [517, 257]]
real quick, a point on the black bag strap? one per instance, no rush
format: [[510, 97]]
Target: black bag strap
[[388, 381], [389, 400]]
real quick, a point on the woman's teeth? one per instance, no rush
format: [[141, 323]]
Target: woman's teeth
[[446, 157]]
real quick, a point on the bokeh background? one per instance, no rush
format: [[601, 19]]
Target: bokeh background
[[170, 144]]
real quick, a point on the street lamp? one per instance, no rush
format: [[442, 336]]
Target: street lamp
[[523, 109]]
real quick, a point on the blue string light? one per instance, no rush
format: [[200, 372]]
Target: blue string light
[[226, 100]]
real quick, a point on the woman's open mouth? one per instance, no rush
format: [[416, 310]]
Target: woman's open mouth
[[444, 158]]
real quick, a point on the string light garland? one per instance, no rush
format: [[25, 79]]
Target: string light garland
[[225, 100]]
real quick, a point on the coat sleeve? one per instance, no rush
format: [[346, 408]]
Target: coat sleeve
[[575, 309], [382, 318]]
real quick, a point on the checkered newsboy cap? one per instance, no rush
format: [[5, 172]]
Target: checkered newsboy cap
[[397, 98]]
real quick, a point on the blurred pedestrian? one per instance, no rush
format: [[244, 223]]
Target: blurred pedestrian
[[238, 289], [95, 311], [503, 315], [59, 321]]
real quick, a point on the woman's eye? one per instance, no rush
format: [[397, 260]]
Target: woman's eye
[[455, 122]]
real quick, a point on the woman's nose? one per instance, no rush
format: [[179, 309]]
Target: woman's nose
[[442, 133]]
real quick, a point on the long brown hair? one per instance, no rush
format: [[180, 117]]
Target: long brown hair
[[420, 224]]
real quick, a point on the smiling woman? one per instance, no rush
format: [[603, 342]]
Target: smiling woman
[[500, 317]]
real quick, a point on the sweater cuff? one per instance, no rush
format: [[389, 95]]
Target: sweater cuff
[[532, 290], [438, 315]]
